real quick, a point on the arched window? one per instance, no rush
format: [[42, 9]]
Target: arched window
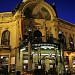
[[5, 40], [37, 36]]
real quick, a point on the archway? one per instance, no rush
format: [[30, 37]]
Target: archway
[[31, 5]]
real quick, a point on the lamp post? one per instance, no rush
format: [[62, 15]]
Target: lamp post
[[29, 51], [62, 59], [29, 57], [60, 39]]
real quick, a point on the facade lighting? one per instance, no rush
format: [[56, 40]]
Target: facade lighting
[[23, 49]]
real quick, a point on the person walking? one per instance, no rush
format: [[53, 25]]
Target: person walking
[[3, 70]]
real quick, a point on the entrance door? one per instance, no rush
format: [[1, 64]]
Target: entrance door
[[5, 60]]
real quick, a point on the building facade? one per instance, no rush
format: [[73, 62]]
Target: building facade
[[38, 18]]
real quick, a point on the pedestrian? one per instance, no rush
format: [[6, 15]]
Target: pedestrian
[[68, 72], [46, 73], [2, 69]]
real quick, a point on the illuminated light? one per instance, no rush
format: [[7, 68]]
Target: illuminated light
[[48, 44], [23, 49], [51, 66], [74, 62], [24, 67], [52, 47], [25, 61], [35, 44], [1, 57], [47, 47], [60, 32], [38, 44], [73, 54], [71, 42], [32, 52], [6, 58], [53, 54], [66, 69], [29, 30], [44, 54], [39, 67], [73, 65], [58, 54], [41, 54], [26, 46], [35, 48], [35, 54], [26, 40], [24, 0], [66, 65], [44, 47]]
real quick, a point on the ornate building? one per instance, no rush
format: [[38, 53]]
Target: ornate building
[[39, 17]]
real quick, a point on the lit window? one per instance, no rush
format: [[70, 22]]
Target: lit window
[[5, 40]]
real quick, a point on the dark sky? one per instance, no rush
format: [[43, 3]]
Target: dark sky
[[65, 8]]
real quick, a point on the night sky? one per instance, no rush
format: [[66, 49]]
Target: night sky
[[65, 8]]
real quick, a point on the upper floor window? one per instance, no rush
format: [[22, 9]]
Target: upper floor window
[[5, 40], [71, 43], [64, 42]]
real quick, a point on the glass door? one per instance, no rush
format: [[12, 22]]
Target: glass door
[[73, 64], [66, 63], [25, 62]]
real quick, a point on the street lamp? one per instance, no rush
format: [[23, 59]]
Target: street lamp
[[29, 50], [60, 39]]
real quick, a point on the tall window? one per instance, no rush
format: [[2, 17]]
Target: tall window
[[71, 43], [5, 40]]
